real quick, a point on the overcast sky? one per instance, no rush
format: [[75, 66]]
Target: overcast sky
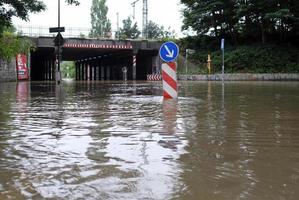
[[162, 12]]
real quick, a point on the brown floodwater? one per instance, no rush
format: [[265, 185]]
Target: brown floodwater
[[114, 140]]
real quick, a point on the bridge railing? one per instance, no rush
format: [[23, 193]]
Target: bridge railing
[[70, 32]]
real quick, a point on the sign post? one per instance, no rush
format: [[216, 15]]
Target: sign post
[[188, 51], [58, 42], [169, 51], [222, 48]]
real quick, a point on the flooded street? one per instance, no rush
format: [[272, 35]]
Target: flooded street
[[110, 140]]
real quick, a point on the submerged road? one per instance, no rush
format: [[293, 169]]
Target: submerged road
[[115, 140]]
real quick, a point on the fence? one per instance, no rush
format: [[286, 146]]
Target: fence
[[70, 32]]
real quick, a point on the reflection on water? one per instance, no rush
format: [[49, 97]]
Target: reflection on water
[[109, 140]]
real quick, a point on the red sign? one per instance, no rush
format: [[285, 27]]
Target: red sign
[[22, 69]]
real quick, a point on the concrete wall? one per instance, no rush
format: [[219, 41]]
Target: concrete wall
[[241, 77], [8, 71]]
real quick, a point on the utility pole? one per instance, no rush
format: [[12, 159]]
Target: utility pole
[[144, 16], [145, 19], [134, 5], [117, 25]]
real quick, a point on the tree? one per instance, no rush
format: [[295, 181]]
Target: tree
[[11, 44], [257, 20], [68, 69], [129, 31], [100, 24], [158, 32], [154, 31]]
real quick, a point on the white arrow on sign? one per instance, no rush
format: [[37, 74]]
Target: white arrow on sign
[[170, 53]]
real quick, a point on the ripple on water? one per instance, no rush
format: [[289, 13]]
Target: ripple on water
[[103, 140]]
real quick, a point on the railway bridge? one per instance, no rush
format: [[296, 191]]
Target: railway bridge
[[97, 59]]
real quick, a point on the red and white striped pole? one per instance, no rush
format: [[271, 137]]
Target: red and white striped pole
[[134, 66], [169, 75]]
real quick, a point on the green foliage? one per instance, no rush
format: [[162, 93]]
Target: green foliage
[[11, 45], [242, 20], [18, 8], [129, 30], [251, 59], [155, 31], [100, 24], [68, 69]]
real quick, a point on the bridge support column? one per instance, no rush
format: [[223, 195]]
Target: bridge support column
[[108, 73], [102, 72], [98, 63], [81, 67], [79, 71], [156, 69], [52, 69], [76, 70], [48, 64], [45, 63], [85, 71], [89, 71], [97, 71]]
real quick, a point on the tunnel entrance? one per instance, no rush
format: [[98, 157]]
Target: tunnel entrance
[[92, 63]]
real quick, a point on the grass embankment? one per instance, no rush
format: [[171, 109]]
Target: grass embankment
[[257, 58]]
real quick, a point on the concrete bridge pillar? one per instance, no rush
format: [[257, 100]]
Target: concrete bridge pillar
[[94, 70], [156, 68], [47, 67], [98, 75], [81, 70], [77, 70], [85, 70], [97, 69]]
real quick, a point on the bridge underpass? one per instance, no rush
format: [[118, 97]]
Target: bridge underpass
[[97, 59]]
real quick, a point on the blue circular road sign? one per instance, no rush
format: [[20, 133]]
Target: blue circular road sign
[[169, 51]]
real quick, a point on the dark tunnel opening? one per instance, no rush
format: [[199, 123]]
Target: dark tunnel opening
[[95, 64]]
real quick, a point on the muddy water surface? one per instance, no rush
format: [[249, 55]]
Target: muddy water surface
[[110, 140]]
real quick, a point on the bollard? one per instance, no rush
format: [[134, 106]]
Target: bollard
[[209, 63], [169, 80]]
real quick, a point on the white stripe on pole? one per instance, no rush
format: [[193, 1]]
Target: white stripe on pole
[[169, 71], [169, 80], [172, 92]]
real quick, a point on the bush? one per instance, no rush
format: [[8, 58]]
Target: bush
[[68, 69], [252, 59], [11, 45]]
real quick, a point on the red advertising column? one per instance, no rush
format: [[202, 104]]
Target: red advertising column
[[22, 69]]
